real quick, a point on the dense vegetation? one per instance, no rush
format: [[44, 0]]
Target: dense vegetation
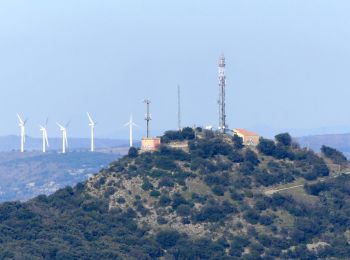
[[204, 202], [334, 155]]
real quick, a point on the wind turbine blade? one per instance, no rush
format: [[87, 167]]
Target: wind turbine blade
[[46, 122], [127, 124], [68, 124], [60, 126], [46, 139], [90, 118], [20, 119]]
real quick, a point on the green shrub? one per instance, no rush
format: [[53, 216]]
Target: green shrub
[[166, 182], [284, 139], [218, 190], [164, 201], [167, 238], [154, 193], [183, 210], [237, 142], [132, 152], [331, 153], [121, 200], [147, 185], [250, 156], [266, 147]]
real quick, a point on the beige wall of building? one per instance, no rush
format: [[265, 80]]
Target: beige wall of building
[[249, 137], [150, 144]]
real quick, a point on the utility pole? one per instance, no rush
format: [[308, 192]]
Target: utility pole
[[179, 108], [148, 115]]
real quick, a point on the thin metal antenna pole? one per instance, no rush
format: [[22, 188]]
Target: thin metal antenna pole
[[222, 95], [179, 107], [148, 115]]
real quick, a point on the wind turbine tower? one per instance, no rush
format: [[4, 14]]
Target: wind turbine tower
[[131, 124], [22, 127], [64, 137], [45, 139], [92, 125], [148, 115], [222, 95]]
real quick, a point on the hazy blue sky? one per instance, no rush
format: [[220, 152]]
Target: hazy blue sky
[[288, 63]]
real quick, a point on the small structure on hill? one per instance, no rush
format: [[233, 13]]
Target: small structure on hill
[[249, 138], [182, 145], [150, 144]]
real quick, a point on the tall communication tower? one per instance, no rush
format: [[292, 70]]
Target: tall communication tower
[[222, 92], [148, 115], [178, 107]]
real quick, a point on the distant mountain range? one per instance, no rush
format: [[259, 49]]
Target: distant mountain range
[[11, 143], [26, 175], [338, 141]]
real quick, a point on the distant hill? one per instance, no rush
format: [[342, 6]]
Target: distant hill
[[24, 176], [338, 141], [212, 200], [11, 143]]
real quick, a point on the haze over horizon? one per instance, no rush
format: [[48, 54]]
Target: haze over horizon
[[287, 64]]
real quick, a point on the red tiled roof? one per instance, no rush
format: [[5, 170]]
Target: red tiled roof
[[245, 132]]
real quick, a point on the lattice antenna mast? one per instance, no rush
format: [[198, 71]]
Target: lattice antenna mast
[[222, 95], [148, 115], [179, 107]]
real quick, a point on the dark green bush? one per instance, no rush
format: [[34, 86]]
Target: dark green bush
[[132, 152], [147, 185], [183, 210], [154, 193], [167, 238], [336, 156], [284, 139], [266, 146], [237, 142], [218, 190], [166, 182], [164, 201]]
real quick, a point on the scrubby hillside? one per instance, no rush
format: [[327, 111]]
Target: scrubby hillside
[[211, 199]]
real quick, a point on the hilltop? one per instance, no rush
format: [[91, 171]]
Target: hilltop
[[212, 199]]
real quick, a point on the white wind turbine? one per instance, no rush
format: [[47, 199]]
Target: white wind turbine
[[64, 136], [92, 125], [131, 124], [22, 125], [45, 138]]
